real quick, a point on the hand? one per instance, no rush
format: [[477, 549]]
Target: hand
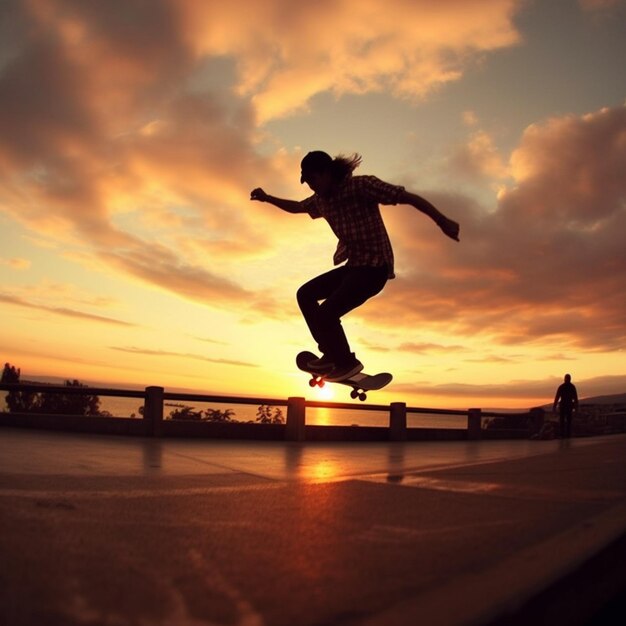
[[449, 228], [258, 194]]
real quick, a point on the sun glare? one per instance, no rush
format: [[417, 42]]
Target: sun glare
[[324, 471], [325, 393]]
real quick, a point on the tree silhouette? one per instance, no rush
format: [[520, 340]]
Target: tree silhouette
[[210, 415], [215, 415], [48, 402], [268, 414], [18, 401], [70, 404], [185, 413]]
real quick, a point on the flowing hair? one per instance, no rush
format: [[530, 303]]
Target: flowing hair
[[343, 166]]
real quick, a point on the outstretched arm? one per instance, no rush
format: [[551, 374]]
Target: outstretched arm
[[291, 206], [448, 226]]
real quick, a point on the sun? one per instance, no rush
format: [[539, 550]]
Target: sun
[[325, 393]]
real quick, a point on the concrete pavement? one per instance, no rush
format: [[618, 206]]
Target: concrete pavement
[[124, 531]]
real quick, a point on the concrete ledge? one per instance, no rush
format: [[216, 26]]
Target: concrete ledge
[[223, 430], [76, 423], [220, 430]]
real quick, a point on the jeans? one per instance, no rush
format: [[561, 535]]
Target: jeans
[[327, 298], [565, 422]]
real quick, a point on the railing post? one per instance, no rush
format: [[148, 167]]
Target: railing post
[[153, 411], [397, 421], [296, 419], [474, 419]]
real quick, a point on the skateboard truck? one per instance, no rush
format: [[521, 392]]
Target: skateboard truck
[[357, 392], [317, 381]]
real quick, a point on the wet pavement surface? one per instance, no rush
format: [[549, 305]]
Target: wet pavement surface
[[124, 531]]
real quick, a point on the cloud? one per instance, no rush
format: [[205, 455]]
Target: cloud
[[534, 391], [63, 311], [288, 52], [129, 134], [412, 347], [108, 151], [479, 158], [182, 355], [159, 266], [16, 263], [547, 265]]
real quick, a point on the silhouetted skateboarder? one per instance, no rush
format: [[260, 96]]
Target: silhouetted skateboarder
[[350, 205]]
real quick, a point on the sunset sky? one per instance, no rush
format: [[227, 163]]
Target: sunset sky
[[132, 132]]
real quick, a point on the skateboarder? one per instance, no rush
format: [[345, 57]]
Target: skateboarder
[[350, 206]]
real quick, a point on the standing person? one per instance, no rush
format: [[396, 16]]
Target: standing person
[[568, 397], [350, 206]]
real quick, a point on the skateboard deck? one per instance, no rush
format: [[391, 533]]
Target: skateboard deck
[[360, 383]]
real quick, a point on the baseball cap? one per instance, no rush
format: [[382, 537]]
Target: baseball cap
[[315, 161]]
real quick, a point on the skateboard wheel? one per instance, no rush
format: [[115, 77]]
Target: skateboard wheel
[[321, 383], [354, 394], [362, 397], [312, 382]]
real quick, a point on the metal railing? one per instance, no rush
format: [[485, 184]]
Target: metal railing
[[153, 424]]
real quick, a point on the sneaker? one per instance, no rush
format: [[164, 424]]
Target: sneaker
[[342, 372], [322, 365]]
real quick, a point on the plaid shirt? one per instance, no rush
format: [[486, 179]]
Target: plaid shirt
[[353, 214]]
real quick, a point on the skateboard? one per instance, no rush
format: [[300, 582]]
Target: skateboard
[[360, 383]]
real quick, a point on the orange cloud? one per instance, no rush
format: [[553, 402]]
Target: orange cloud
[[547, 265], [182, 355], [480, 158], [536, 391], [106, 148], [120, 130], [63, 311], [121, 134], [16, 263], [288, 52]]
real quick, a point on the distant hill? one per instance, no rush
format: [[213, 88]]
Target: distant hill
[[43, 380], [618, 398], [55, 380]]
